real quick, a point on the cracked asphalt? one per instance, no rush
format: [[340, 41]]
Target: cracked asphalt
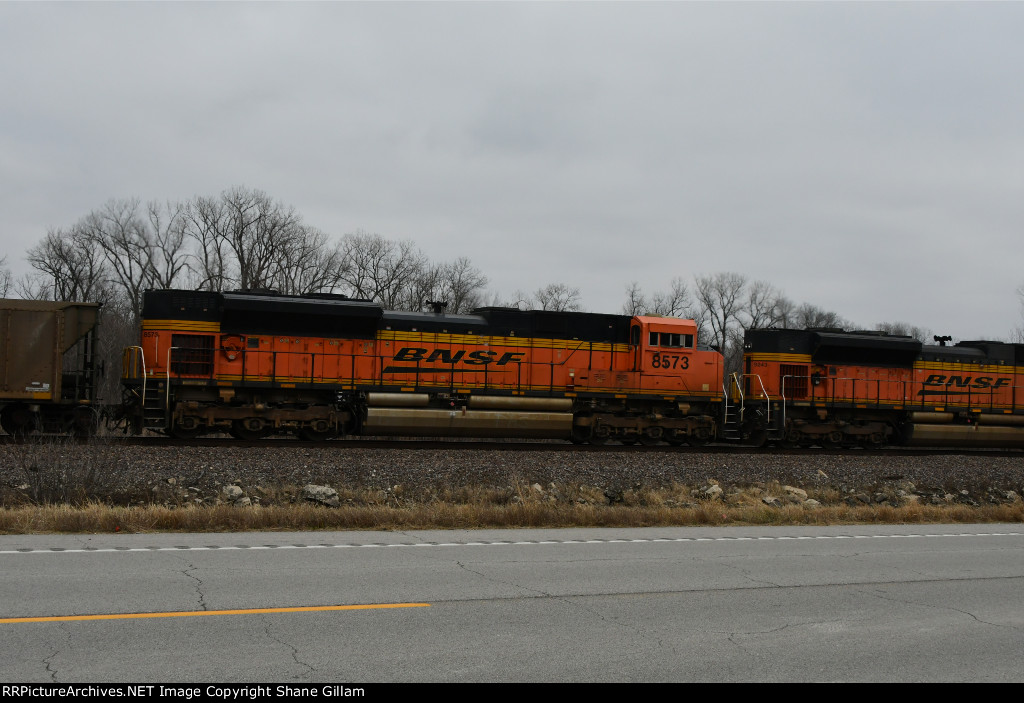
[[854, 603]]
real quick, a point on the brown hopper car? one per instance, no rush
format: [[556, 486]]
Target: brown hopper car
[[47, 374]]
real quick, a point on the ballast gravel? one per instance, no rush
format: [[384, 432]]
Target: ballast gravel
[[135, 471]]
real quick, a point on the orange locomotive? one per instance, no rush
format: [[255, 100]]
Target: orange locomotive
[[259, 363], [835, 388]]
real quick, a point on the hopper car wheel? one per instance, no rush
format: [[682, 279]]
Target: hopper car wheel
[[85, 422], [17, 420]]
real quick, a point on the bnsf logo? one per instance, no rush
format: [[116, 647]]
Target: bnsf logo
[[948, 384], [445, 356]]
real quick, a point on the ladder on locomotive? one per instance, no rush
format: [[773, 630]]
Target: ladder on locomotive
[[154, 414], [735, 425], [152, 404], [732, 415]]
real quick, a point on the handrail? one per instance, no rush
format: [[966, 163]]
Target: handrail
[[764, 394], [142, 356], [739, 390], [167, 401]]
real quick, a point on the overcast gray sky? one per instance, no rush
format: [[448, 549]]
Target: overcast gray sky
[[864, 157]]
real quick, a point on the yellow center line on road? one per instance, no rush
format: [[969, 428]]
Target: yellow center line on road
[[193, 613]]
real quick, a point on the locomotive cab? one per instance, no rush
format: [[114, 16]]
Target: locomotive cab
[[662, 344]]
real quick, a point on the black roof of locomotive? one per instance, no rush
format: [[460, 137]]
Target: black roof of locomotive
[[265, 312], [836, 346], [979, 352], [511, 322], [269, 312]]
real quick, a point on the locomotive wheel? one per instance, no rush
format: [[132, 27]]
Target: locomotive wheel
[[832, 440], [630, 441], [580, 435], [187, 428], [759, 438], [600, 434], [649, 441], [875, 440], [700, 437], [676, 438], [250, 428], [791, 440], [318, 431]]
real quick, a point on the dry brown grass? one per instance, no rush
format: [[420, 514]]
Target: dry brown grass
[[473, 508]]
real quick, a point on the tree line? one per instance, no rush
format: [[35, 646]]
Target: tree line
[[242, 239]]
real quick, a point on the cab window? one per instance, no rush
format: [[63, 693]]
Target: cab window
[[671, 339]]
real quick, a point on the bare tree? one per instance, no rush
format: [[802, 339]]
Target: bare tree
[[462, 285], [206, 219], [785, 312], [809, 316], [762, 308], [426, 286], [903, 329], [1017, 334], [379, 269], [519, 299], [676, 302], [721, 296], [118, 232], [256, 231], [636, 302], [5, 278], [70, 265], [559, 297], [307, 264], [168, 235]]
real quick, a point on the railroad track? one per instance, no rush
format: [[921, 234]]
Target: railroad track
[[513, 446]]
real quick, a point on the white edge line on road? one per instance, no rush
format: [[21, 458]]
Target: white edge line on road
[[496, 543]]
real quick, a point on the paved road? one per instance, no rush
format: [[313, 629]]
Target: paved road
[[853, 603]]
